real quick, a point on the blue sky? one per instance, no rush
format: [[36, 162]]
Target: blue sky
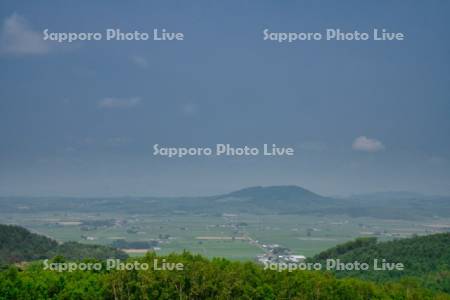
[[81, 118]]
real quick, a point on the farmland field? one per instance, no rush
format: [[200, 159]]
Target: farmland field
[[236, 237]]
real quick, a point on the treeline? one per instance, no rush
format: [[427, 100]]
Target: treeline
[[17, 244], [426, 259], [200, 279]]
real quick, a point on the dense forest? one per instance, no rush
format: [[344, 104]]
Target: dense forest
[[26, 274], [426, 259], [17, 244], [200, 279]]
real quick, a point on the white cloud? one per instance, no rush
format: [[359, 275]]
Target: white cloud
[[363, 143], [17, 37], [139, 61], [119, 102]]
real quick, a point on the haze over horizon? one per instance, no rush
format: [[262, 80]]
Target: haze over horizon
[[80, 119]]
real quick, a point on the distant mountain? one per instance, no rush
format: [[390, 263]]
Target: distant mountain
[[278, 199], [287, 199], [18, 244], [288, 193]]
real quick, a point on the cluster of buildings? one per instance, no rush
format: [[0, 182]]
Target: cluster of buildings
[[274, 253]]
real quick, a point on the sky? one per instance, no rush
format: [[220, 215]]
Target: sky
[[81, 118]]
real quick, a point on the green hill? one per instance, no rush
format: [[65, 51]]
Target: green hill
[[425, 258], [17, 244]]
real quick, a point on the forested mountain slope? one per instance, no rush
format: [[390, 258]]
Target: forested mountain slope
[[17, 244], [425, 258]]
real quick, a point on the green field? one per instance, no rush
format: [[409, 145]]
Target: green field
[[305, 235]]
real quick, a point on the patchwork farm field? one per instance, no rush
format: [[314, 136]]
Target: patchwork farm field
[[238, 237]]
